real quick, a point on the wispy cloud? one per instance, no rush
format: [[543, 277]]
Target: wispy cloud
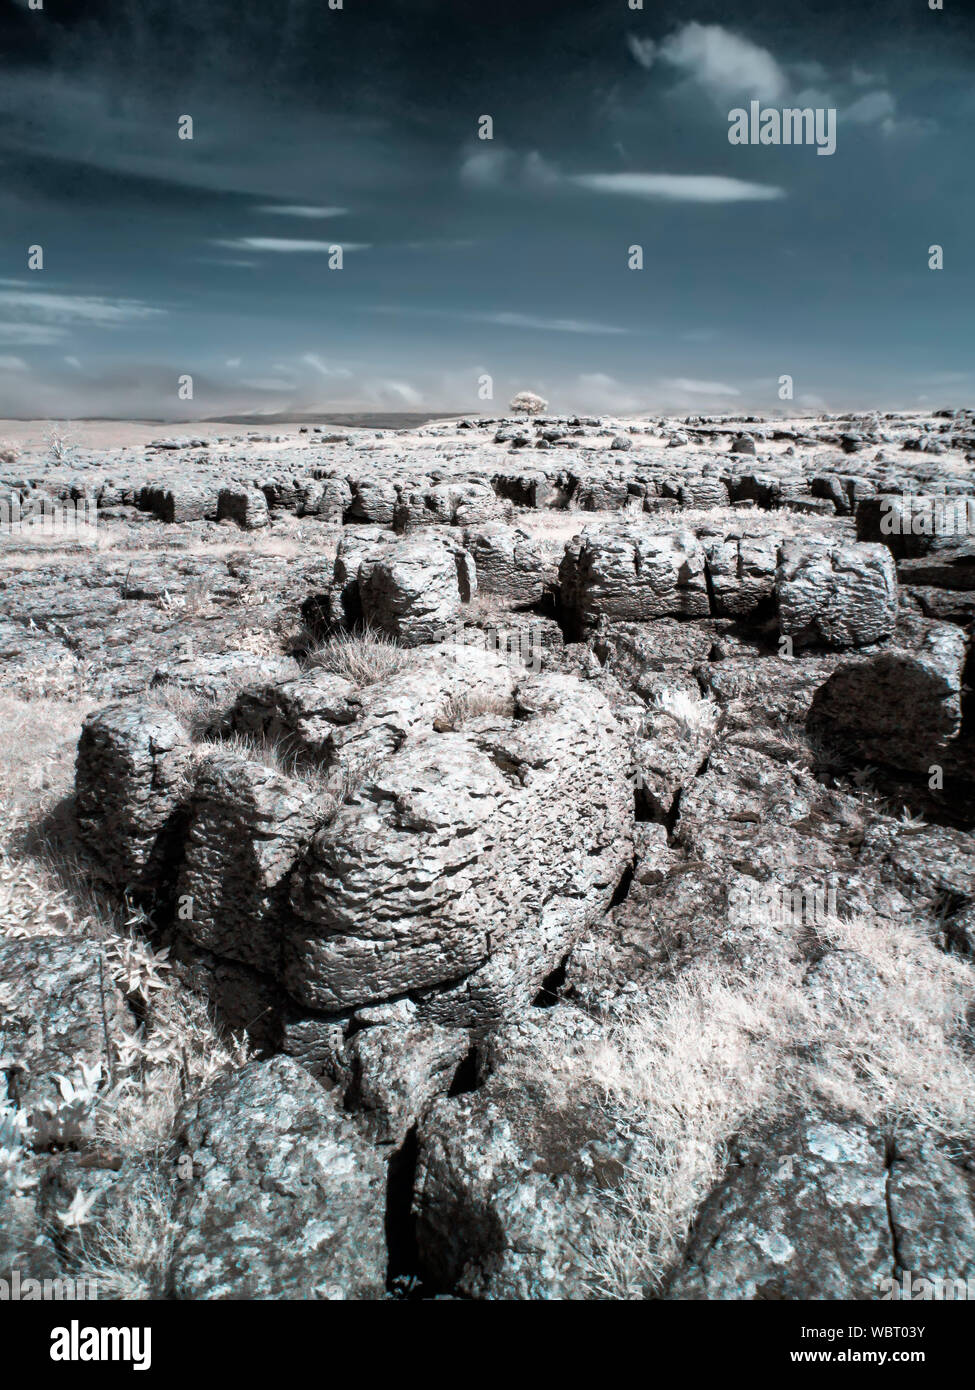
[[311, 359], [12, 364], [46, 307], [505, 319], [687, 386], [301, 210], [682, 188], [286, 245]]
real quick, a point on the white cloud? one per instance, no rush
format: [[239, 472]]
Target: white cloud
[[503, 319], [31, 334], [497, 167], [873, 107], [724, 64], [73, 362], [47, 308], [687, 188], [510, 320], [288, 246], [402, 391], [597, 391], [300, 210], [269, 383], [688, 386], [643, 50], [12, 364], [311, 359]]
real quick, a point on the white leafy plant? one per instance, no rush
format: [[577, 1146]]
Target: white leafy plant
[[15, 1175], [67, 1121]]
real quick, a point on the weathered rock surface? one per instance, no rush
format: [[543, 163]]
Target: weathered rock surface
[[286, 1199], [634, 576], [129, 788], [414, 591], [509, 563], [835, 595], [471, 857], [901, 706]]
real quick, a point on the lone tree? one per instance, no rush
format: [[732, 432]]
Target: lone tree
[[528, 403]]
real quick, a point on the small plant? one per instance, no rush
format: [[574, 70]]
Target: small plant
[[15, 1173], [9, 452], [693, 713], [59, 442], [67, 1121]]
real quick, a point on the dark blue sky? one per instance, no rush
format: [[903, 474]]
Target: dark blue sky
[[462, 257]]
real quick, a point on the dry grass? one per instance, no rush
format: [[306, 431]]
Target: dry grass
[[717, 1053], [133, 1099], [461, 709], [365, 657], [128, 1252], [197, 711]]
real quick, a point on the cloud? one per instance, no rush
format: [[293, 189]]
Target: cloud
[[687, 386], [685, 188], [730, 67], [402, 391], [500, 318], [597, 391], [874, 107], [511, 320], [31, 334], [269, 383], [498, 167], [643, 50], [287, 246], [291, 210], [12, 364], [725, 64], [47, 308], [491, 169], [311, 359]]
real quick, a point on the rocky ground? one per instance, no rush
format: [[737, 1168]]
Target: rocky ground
[[499, 859]]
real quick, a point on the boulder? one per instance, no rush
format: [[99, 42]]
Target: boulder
[[901, 707], [632, 575], [509, 563], [286, 1198], [414, 590], [835, 595], [801, 1215], [129, 788], [247, 506], [248, 825], [741, 574], [468, 862]]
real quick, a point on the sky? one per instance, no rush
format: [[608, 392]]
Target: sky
[[472, 266]]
